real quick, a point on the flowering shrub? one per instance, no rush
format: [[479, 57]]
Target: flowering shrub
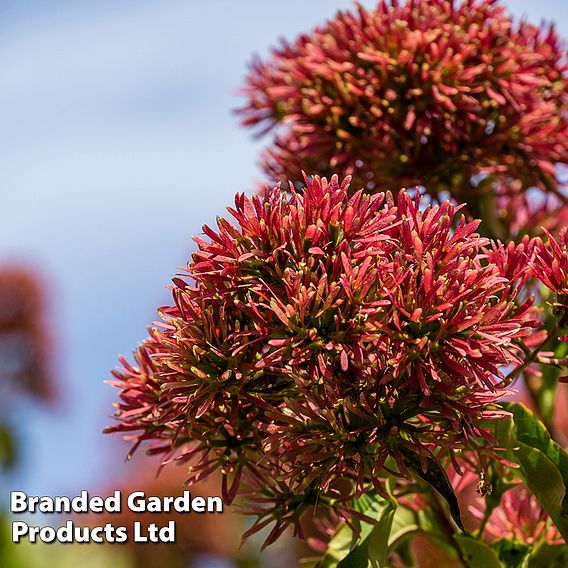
[[324, 335], [452, 96], [344, 354]]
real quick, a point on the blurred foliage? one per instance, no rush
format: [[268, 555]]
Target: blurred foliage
[[40, 555], [8, 450]]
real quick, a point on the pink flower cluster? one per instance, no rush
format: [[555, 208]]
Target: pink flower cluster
[[319, 335], [517, 516], [436, 93], [520, 518]]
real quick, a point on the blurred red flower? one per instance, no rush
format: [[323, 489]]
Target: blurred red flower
[[550, 263], [25, 358]]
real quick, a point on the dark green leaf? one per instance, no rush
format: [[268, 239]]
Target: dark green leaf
[[549, 556], [405, 552], [357, 558], [372, 551], [344, 541], [379, 537], [476, 554], [407, 524], [349, 550], [511, 554], [436, 476]]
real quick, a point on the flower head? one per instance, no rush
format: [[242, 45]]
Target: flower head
[[450, 95], [318, 336], [550, 263]]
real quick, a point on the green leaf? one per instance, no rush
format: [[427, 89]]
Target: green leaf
[[549, 556], [372, 551], [357, 558], [511, 554], [339, 547], [545, 388], [477, 554], [436, 476], [546, 393], [347, 551], [405, 552], [408, 523], [405, 523], [377, 544], [543, 463]]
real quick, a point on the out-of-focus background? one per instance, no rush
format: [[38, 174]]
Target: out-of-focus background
[[117, 143]]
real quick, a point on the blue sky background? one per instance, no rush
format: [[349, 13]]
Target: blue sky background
[[117, 143]]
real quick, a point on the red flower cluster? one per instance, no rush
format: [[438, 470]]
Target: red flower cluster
[[24, 343], [321, 335], [424, 92], [550, 266], [528, 213], [550, 263]]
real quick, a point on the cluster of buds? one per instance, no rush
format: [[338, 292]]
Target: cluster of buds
[[323, 338], [453, 96]]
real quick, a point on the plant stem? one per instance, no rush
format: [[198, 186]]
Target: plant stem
[[486, 515], [531, 357]]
